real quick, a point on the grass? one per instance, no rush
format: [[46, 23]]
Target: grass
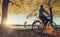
[[58, 26], [22, 28], [27, 27]]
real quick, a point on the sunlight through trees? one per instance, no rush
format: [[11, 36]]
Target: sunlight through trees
[[29, 6]]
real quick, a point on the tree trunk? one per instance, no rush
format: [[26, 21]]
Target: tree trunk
[[4, 11], [4, 17], [50, 9]]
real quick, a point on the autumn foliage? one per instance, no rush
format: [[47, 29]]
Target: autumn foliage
[[31, 7]]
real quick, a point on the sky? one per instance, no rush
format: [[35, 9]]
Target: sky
[[21, 18]]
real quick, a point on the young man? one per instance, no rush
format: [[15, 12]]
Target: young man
[[42, 16]]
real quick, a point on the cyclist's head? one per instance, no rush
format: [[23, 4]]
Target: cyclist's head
[[41, 6]]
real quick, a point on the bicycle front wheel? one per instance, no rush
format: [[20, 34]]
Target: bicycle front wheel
[[53, 25]]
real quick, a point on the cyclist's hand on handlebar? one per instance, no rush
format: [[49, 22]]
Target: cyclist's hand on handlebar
[[49, 15]]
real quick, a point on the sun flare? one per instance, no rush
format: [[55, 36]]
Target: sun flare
[[9, 21]]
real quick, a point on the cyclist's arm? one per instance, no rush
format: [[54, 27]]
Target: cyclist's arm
[[46, 12]]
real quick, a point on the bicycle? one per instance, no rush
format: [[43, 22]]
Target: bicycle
[[38, 26]]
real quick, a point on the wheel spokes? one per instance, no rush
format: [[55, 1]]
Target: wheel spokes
[[37, 28]]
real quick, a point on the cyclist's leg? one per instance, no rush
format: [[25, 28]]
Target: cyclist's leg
[[42, 18], [46, 20]]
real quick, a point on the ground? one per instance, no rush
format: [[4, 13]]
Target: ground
[[26, 33]]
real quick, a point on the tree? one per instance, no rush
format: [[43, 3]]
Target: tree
[[4, 17], [4, 11]]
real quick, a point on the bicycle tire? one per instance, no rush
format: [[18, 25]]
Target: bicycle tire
[[53, 25], [40, 29]]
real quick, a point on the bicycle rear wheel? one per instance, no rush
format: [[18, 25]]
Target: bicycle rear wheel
[[37, 27]]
